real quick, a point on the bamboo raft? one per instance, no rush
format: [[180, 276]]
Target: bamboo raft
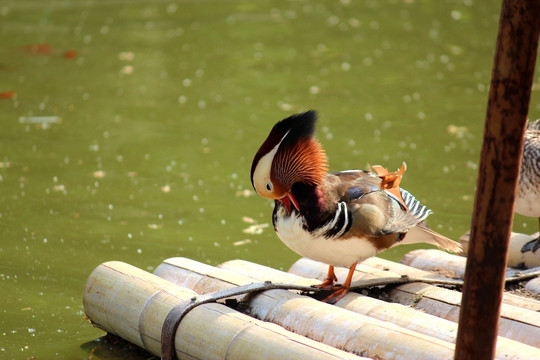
[[416, 320]]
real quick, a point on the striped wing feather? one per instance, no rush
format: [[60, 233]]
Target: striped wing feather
[[421, 233]]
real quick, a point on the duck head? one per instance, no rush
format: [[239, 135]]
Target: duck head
[[290, 154]]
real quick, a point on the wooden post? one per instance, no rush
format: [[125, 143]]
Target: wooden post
[[512, 77]]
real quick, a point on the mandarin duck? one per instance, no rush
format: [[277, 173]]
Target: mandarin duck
[[528, 190], [337, 218]]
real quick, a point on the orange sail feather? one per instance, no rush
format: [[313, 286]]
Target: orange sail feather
[[390, 180]]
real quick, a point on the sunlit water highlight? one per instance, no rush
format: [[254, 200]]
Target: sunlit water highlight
[[128, 129]]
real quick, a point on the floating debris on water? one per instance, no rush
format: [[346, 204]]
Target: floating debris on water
[[70, 54], [255, 229], [126, 70], [126, 56], [245, 193], [314, 90], [471, 165], [241, 242], [100, 174], [7, 94], [458, 131], [248, 220], [60, 187], [40, 120], [285, 106], [38, 49]]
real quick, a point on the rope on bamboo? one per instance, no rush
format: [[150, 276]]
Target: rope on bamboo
[[523, 275], [175, 316]]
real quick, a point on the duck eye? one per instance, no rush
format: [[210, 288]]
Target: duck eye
[[269, 186]]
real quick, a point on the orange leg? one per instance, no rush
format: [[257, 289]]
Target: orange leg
[[328, 283], [343, 289]]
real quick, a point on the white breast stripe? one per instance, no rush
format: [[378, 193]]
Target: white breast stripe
[[316, 246], [342, 208], [335, 220], [345, 222]]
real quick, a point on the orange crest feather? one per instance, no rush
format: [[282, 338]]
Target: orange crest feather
[[305, 162]]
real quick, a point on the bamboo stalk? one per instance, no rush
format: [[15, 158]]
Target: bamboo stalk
[[393, 267], [115, 304], [133, 304], [447, 264], [436, 261], [404, 316], [517, 324], [533, 286], [319, 321]]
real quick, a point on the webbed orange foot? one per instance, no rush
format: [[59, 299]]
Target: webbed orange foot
[[336, 296], [328, 283]]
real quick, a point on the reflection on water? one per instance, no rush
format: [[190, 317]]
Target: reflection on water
[[128, 129], [111, 347]]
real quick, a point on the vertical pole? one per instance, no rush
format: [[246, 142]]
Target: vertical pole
[[509, 96]]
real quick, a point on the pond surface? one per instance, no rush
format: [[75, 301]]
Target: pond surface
[[128, 130]]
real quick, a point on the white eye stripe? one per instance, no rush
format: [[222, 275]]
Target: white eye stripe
[[287, 133], [261, 175]]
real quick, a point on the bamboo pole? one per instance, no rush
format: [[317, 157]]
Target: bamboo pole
[[133, 304], [311, 318], [533, 286], [518, 324], [390, 266], [453, 266], [404, 316], [506, 118], [437, 261]]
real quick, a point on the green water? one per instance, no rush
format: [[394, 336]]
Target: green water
[[155, 119]]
